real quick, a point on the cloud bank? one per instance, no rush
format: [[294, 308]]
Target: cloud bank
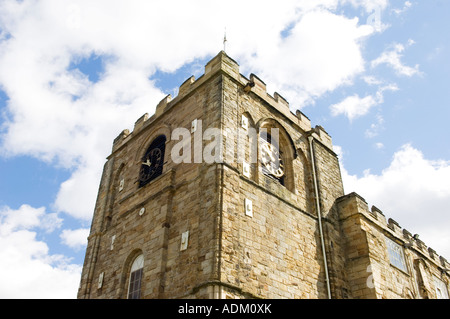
[[27, 268]]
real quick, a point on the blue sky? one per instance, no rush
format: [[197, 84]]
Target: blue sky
[[374, 74]]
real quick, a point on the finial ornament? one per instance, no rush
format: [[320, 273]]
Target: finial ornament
[[225, 40]]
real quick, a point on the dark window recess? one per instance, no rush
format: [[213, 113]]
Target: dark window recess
[[152, 161]]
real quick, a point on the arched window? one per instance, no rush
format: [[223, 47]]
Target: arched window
[[135, 281], [152, 161], [276, 153], [272, 163]]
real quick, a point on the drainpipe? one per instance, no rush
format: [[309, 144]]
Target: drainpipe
[[319, 216]]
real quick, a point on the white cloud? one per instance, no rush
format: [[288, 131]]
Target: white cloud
[[406, 6], [369, 5], [75, 239], [27, 270], [27, 217], [77, 195], [375, 128], [414, 191], [321, 53], [371, 80], [353, 106], [379, 145], [374, 9], [392, 57]]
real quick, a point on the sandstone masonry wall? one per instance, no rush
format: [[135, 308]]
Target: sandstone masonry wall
[[247, 235], [371, 273]]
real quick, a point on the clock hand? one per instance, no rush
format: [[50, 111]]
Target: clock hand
[[272, 157], [148, 163]]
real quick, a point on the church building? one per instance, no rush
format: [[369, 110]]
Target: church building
[[224, 193]]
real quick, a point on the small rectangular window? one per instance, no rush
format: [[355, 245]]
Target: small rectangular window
[[396, 256]]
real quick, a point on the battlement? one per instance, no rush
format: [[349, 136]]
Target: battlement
[[353, 204], [222, 63], [156, 209], [258, 87]]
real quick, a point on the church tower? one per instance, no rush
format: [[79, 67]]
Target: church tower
[[225, 193], [216, 195]]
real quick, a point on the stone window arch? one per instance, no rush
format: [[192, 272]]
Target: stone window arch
[[135, 278], [276, 153], [152, 161]]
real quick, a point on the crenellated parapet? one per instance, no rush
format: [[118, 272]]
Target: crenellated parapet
[[283, 234], [223, 64], [353, 204]]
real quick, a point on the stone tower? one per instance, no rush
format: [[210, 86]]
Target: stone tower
[[224, 193]]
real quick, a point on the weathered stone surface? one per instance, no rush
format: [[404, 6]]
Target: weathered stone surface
[[271, 249]]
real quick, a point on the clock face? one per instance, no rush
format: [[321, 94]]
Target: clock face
[[271, 160], [151, 164]]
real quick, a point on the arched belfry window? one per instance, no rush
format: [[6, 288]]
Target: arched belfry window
[[276, 153], [272, 163], [135, 281], [153, 160]]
